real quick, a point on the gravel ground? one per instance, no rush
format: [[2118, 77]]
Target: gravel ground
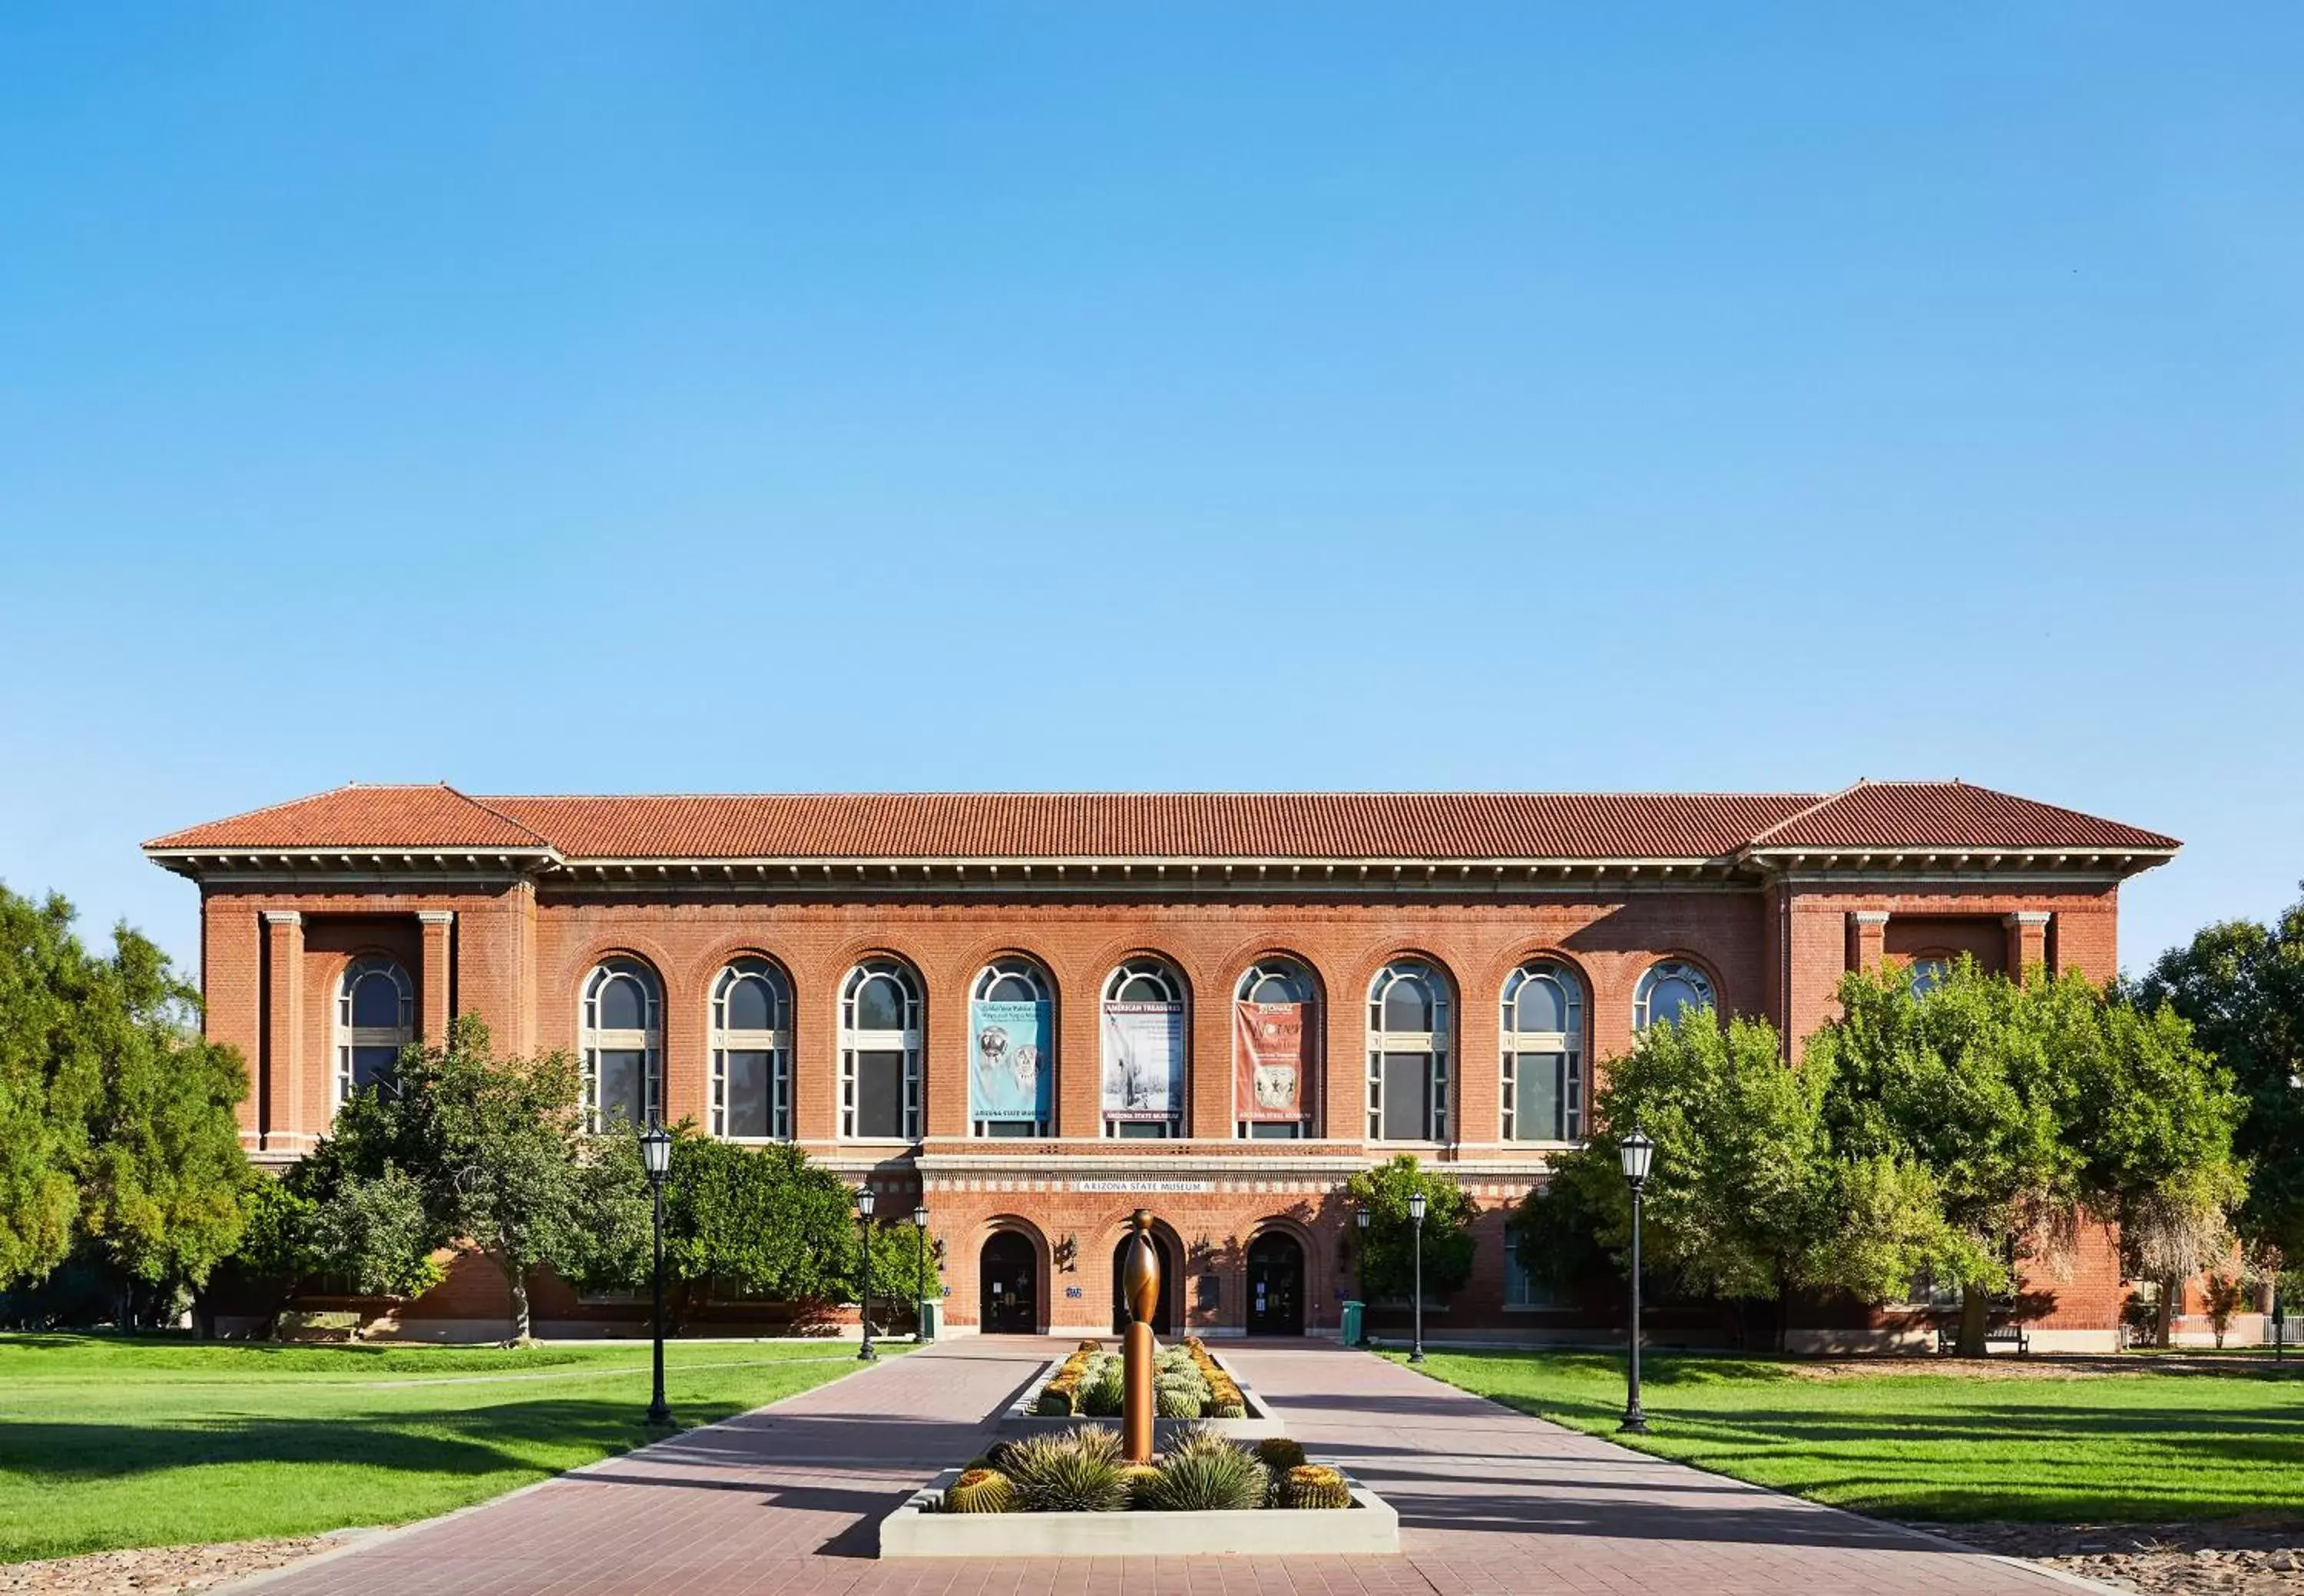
[[160, 1570], [2250, 1555]]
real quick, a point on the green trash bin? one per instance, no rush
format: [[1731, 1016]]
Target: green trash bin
[[931, 1318], [1354, 1333]]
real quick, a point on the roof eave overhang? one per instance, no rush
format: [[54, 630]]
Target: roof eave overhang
[[1939, 862], [214, 864]]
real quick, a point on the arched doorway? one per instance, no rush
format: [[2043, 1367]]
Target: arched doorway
[[1275, 1285], [1008, 1285], [1171, 1282]]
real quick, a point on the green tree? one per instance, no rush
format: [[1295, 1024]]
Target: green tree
[[765, 1222], [2032, 1105], [2241, 987], [320, 1223], [1383, 1257], [117, 1127], [1747, 1198], [496, 1145]]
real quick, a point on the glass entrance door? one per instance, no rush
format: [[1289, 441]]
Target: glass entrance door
[[1009, 1286], [1275, 1286]]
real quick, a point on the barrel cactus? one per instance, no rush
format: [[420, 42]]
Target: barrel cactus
[[980, 1490], [1173, 1402], [1314, 1485], [1279, 1454], [1056, 1402], [1103, 1397], [1140, 1478]]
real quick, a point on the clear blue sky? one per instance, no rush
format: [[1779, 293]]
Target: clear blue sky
[[553, 397]]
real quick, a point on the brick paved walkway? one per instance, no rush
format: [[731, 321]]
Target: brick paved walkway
[[785, 1500]]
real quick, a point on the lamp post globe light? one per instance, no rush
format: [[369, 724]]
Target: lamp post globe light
[[1359, 1268], [920, 1272], [656, 1159], [1638, 1152], [1416, 1216], [865, 1202]]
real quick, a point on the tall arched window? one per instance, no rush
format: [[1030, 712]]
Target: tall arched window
[[751, 1053], [880, 1053], [1276, 1052], [623, 1040], [1408, 1053], [376, 1017], [1666, 990], [1144, 1056], [1544, 1053], [1011, 1049]]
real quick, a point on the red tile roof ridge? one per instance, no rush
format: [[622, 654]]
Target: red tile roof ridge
[[266, 809], [1153, 793]]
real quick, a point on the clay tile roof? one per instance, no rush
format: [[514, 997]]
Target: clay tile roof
[[1216, 826], [433, 816], [1949, 814], [1155, 825]]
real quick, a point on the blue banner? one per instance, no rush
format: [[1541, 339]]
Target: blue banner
[[1009, 1077]]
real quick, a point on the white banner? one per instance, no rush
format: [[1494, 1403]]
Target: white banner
[[1144, 1060]]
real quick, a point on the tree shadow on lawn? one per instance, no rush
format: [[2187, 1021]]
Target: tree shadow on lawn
[[463, 1441]]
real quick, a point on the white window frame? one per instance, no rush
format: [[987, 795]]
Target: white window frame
[[1567, 1045], [1171, 980], [350, 1036], [775, 1042], [1433, 1044], [906, 1041], [1029, 970], [1664, 970], [647, 1040], [1285, 968]]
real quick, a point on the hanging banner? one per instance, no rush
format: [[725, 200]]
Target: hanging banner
[[1272, 1076], [1008, 1073], [1144, 1060]]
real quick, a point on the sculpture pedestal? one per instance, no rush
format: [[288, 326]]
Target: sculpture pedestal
[[1136, 1401]]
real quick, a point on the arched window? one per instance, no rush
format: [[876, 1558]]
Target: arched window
[[1666, 990], [376, 1018], [1930, 970], [1144, 1060], [1011, 1049], [751, 1053], [880, 1053], [623, 1040], [1408, 1053], [1276, 1052], [1544, 1053]]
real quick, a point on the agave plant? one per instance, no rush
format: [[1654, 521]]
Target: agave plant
[[1211, 1479], [1077, 1472]]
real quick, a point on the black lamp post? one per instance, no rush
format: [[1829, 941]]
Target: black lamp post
[[1360, 1268], [864, 1202], [1637, 1152], [1416, 1215], [656, 1157], [921, 1270]]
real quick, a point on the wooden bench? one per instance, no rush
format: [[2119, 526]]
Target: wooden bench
[[1998, 1335]]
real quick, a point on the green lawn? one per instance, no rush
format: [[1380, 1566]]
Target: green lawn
[[2146, 1446], [106, 1442]]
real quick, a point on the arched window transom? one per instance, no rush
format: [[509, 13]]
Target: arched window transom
[[1928, 972], [621, 1030], [1144, 1065], [880, 1053], [1011, 1049], [1408, 1053], [376, 1018], [1277, 1050], [751, 1052], [1542, 1030], [1668, 989]]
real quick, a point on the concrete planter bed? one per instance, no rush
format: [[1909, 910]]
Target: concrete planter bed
[[920, 1528], [1019, 1420]]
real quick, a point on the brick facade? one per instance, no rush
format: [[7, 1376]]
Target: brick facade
[[512, 928]]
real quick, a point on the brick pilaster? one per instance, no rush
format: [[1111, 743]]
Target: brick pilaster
[[2028, 940], [432, 1007], [284, 1130], [1868, 932]]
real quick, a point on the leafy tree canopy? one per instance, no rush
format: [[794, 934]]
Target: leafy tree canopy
[[1384, 1254]]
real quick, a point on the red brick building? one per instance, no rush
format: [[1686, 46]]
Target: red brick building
[[1036, 1011]]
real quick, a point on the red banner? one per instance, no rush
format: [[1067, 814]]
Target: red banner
[[1272, 1075]]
